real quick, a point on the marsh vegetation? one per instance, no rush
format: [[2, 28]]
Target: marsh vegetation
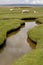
[[12, 21]]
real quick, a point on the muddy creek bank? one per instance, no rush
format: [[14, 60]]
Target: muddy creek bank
[[17, 45]]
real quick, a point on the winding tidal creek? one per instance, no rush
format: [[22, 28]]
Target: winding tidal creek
[[17, 45]]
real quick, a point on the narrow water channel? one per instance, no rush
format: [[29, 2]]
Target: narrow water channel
[[16, 45]]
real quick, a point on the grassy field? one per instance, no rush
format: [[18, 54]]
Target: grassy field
[[7, 25], [12, 20], [36, 34], [33, 58]]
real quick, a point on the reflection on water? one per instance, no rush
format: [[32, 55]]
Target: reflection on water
[[16, 45]]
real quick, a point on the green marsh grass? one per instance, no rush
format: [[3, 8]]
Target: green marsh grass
[[12, 20]]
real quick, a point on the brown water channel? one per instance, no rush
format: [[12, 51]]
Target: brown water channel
[[17, 45]]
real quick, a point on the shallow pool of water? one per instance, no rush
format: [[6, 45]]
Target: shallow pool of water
[[16, 45]]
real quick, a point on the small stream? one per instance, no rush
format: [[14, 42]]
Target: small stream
[[17, 45]]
